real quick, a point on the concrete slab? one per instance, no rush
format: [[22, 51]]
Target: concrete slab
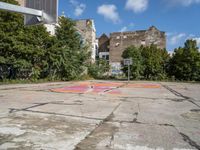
[[166, 112], [96, 109], [126, 136], [137, 116], [29, 131], [126, 112], [186, 89], [147, 93]]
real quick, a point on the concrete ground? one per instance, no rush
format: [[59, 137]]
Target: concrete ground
[[100, 115]]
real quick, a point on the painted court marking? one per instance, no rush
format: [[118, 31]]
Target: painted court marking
[[112, 88]]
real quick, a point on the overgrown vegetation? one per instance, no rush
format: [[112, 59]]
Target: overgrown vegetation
[[152, 63], [99, 69], [31, 53], [185, 62]]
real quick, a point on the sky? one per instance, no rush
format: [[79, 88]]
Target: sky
[[180, 19]]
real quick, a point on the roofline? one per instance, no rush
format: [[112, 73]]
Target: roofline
[[83, 19], [129, 31], [133, 32], [137, 31]]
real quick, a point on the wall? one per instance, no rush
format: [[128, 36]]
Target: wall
[[87, 30], [119, 41]]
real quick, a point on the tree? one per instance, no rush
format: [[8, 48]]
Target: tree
[[185, 62], [148, 62], [154, 62], [21, 47], [68, 57], [99, 69], [34, 54], [136, 69], [10, 27]]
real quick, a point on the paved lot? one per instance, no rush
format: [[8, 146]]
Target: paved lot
[[97, 115]]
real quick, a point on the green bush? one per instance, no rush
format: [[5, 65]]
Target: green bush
[[99, 69]]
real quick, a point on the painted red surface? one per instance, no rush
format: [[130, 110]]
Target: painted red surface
[[88, 87], [143, 85], [72, 89], [108, 87]]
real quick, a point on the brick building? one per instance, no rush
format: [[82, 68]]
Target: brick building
[[103, 50], [119, 41]]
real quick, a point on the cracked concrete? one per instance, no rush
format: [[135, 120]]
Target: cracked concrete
[[144, 116]]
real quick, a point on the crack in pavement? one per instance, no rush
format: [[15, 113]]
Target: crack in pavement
[[42, 104], [175, 99], [24, 109], [43, 90], [136, 114], [57, 114], [186, 138], [108, 90], [107, 119], [189, 141], [134, 97], [12, 88], [189, 99]]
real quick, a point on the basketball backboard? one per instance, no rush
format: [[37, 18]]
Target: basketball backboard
[[128, 61], [49, 9]]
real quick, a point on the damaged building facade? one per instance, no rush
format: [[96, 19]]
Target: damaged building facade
[[119, 41], [86, 28], [103, 50]]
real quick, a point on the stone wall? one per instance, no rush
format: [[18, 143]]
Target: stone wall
[[119, 41]]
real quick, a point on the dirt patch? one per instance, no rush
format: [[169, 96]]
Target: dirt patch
[[194, 114]]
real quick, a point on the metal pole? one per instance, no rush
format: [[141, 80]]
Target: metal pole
[[128, 73], [20, 9]]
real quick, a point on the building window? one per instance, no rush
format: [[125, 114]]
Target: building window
[[143, 43], [125, 37], [107, 57], [155, 43], [118, 37], [117, 44]]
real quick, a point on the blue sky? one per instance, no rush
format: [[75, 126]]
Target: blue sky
[[180, 19]]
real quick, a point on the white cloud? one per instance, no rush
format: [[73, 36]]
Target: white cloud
[[126, 28], [79, 7], [123, 29], [137, 6], [191, 36], [176, 38], [183, 2], [109, 12]]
